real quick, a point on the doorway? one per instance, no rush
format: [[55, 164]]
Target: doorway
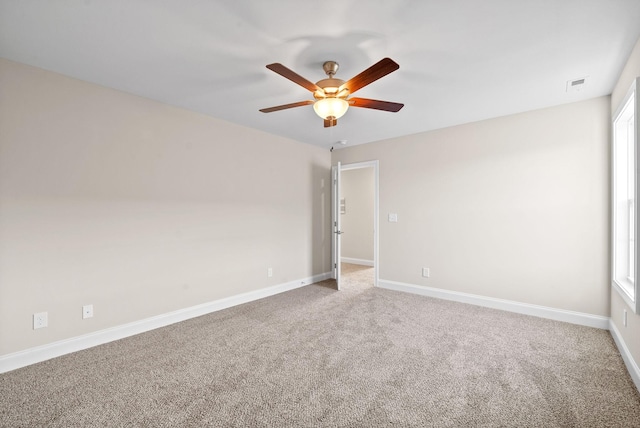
[[355, 253]]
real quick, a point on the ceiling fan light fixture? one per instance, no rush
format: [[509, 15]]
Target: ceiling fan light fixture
[[331, 108], [332, 95]]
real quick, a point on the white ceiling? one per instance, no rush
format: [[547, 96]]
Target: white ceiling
[[460, 60]]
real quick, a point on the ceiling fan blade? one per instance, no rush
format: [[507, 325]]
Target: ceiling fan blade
[[375, 104], [330, 122], [293, 76], [286, 106], [371, 74]]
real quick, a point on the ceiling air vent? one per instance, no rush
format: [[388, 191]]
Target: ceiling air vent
[[577, 85]]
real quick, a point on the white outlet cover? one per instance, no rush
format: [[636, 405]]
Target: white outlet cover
[[87, 311], [40, 320], [393, 218]]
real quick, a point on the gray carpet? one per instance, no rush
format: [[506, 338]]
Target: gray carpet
[[362, 357]]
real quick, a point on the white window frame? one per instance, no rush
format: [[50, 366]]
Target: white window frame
[[624, 195]]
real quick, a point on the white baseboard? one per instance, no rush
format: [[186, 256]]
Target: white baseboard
[[356, 261], [632, 366], [580, 318], [45, 352]]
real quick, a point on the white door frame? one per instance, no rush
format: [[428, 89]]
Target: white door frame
[[336, 231], [375, 164]]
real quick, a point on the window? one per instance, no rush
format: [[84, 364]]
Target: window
[[625, 178]]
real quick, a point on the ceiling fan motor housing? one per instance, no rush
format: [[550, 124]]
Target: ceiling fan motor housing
[[330, 88]]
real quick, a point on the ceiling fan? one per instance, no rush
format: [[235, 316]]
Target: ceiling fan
[[332, 95]]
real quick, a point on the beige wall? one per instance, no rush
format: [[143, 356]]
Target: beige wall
[[140, 208], [631, 333], [357, 187], [513, 208]]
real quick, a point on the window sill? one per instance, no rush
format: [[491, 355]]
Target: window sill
[[626, 289]]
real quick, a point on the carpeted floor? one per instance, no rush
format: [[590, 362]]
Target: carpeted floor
[[361, 357]]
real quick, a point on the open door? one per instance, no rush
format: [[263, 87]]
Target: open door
[[335, 222]]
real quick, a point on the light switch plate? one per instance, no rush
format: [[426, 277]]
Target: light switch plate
[[393, 218]]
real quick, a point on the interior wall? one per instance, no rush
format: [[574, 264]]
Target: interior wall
[[514, 208], [140, 208], [357, 187], [630, 333]]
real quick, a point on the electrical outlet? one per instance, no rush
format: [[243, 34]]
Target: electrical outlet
[[426, 273], [87, 311], [270, 272], [40, 320], [624, 317]]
